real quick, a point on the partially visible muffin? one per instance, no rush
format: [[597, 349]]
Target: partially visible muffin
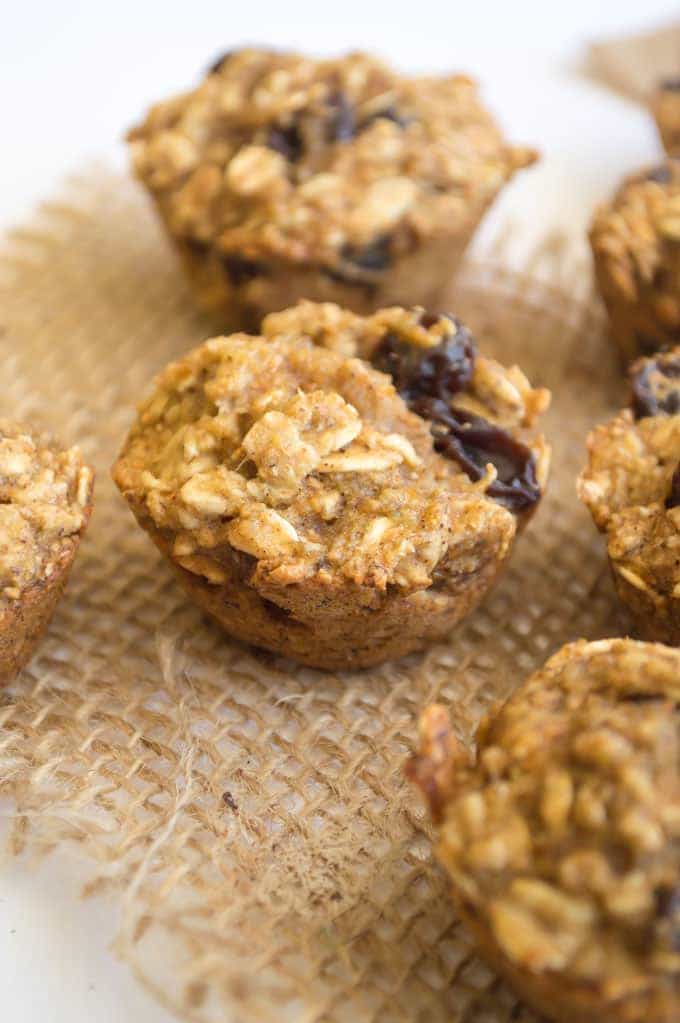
[[303, 504], [45, 504], [666, 110], [561, 833], [631, 485], [281, 177], [635, 241]]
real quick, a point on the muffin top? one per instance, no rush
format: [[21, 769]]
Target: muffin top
[[632, 481], [45, 495], [339, 162], [637, 237], [562, 835], [305, 459]]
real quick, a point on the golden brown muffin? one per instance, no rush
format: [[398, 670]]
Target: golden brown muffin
[[281, 177], [45, 504], [635, 241], [631, 485], [561, 834], [303, 504], [666, 110]]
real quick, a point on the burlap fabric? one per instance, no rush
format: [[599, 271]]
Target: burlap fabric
[[250, 818]]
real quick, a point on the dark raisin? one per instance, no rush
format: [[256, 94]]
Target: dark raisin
[[656, 387], [389, 113], [473, 442], [341, 123], [673, 499], [375, 256], [287, 141], [671, 84], [241, 270], [438, 372], [197, 246], [667, 898], [647, 344], [661, 174], [218, 64]]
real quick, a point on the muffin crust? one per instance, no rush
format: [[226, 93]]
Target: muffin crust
[[631, 487], [562, 833], [635, 241], [303, 503], [282, 177], [45, 503]]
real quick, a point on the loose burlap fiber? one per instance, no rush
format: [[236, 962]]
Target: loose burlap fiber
[[250, 818]]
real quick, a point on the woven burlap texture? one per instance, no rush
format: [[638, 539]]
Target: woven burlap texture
[[249, 818]]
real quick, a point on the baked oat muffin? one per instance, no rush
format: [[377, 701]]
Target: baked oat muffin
[[666, 110], [280, 177], [635, 241], [45, 504], [561, 834], [631, 485], [302, 503]]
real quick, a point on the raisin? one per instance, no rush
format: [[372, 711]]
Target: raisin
[[428, 379], [673, 499], [438, 372], [287, 141], [667, 898], [242, 270], [661, 174], [341, 123], [656, 387], [671, 84], [375, 256], [473, 442]]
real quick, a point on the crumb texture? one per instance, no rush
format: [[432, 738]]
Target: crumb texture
[[44, 494]]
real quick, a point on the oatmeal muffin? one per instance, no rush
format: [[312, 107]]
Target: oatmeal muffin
[[45, 503], [666, 110], [307, 508], [635, 241], [631, 485], [280, 177], [562, 833]]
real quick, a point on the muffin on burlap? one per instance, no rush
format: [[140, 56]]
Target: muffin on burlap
[[635, 241], [45, 504], [280, 177], [303, 504], [561, 833], [631, 485], [666, 110]]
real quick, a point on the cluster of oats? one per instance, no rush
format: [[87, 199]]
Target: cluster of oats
[[303, 459], [276, 155], [636, 240], [627, 486], [44, 496], [563, 838], [500, 394]]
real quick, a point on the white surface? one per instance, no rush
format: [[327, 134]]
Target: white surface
[[73, 76]]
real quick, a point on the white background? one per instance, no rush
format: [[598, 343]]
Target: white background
[[74, 76]]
